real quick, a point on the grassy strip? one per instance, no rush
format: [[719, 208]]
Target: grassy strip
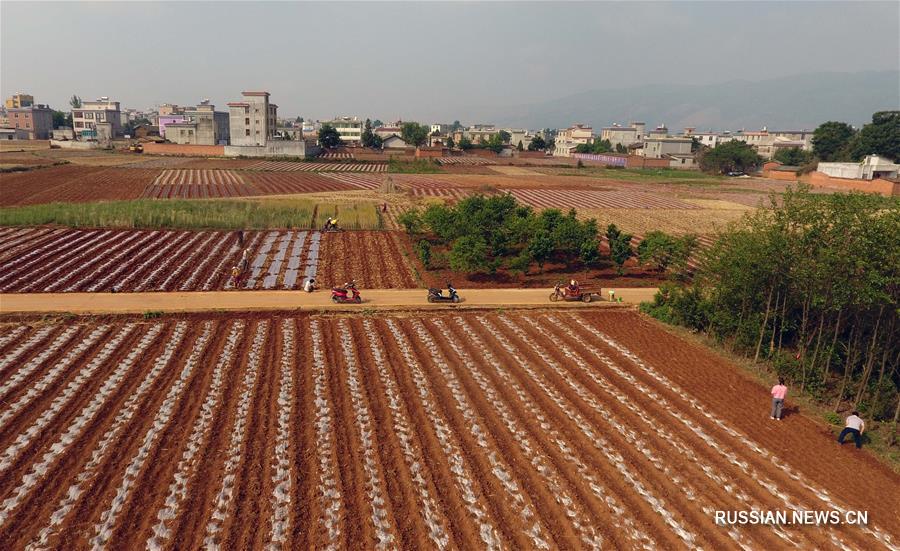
[[656, 175], [196, 214]]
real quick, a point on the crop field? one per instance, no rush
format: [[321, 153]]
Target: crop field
[[476, 161], [286, 183], [198, 184], [374, 259], [335, 155], [452, 194], [445, 431], [54, 260], [290, 166], [579, 199], [74, 184]]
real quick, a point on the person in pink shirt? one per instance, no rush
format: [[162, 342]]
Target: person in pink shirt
[[779, 391]]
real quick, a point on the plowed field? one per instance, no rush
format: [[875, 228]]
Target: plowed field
[[198, 184], [74, 184], [464, 431], [372, 258], [43, 260], [283, 183], [291, 166]]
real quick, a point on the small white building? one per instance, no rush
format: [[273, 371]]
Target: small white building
[[623, 135], [394, 142], [659, 147], [350, 128], [870, 168], [87, 119]]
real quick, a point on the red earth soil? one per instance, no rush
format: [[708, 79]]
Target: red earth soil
[[477, 430], [373, 259], [39, 260], [74, 184], [283, 183], [199, 184]]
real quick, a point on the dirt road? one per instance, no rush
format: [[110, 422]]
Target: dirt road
[[126, 303]]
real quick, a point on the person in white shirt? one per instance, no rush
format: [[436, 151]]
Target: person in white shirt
[[309, 285], [855, 427]]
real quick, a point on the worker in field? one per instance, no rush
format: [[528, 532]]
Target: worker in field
[[309, 285], [235, 275], [240, 238], [245, 259], [779, 391], [855, 427]]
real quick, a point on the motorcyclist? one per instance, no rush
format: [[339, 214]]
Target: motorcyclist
[[573, 288], [328, 223], [450, 289]]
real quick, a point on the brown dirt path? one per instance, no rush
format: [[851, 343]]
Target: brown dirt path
[[124, 303]]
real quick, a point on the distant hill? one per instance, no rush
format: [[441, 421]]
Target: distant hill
[[789, 103]]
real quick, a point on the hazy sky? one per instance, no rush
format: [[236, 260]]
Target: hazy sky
[[427, 61]]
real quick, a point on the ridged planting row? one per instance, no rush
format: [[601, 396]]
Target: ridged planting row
[[441, 430]]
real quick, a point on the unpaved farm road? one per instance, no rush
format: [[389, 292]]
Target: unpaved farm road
[[391, 299]]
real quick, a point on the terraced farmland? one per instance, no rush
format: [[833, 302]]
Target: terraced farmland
[[448, 431]]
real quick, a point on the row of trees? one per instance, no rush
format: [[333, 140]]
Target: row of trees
[[484, 234], [838, 141], [600, 146], [812, 284]]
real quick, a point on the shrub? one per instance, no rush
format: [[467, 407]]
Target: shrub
[[469, 254], [423, 251], [411, 220]]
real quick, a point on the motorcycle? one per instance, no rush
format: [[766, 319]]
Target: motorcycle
[[437, 295], [562, 292], [330, 227], [349, 293]]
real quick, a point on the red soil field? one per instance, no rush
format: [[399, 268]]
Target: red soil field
[[198, 184], [293, 166], [40, 260], [73, 184], [480, 430], [558, 198], [283, 183], [374, 259]]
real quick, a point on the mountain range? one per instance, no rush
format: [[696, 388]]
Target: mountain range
[[786, 103]]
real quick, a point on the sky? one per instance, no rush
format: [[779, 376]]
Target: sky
[[422, 61]]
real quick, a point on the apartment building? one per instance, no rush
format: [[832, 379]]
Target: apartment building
[[659, 147], [34, 122], [96, 118], [568, 139], [252, 121], [350, 128], [623, 135], [19, 100], [201, 125]]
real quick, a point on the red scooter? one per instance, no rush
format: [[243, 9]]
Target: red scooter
[[347, 293]]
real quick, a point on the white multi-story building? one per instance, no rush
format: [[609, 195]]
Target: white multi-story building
[[623, 135], [252, 121], [658, 147], [103, 115], [350, 128], [569, 138]]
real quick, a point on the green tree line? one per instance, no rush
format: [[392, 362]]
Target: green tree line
[[811, 284]]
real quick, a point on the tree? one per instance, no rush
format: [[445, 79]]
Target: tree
[[540, 248], [695, 144], [423, 251], [377, 123], [730, 156], [793, 156], [619, 246], [411, 220], [414, 133], [505, 136], [620, 148], [831, 141], [465, 143], [329, 136], [450, 143], [657, 249], [880, 137], [537, 144], [520, 147], [456, 125], [494, 143], [62, 119], [75, 102], [551, 144], [469, 254], [299, 120], [367, 138]]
